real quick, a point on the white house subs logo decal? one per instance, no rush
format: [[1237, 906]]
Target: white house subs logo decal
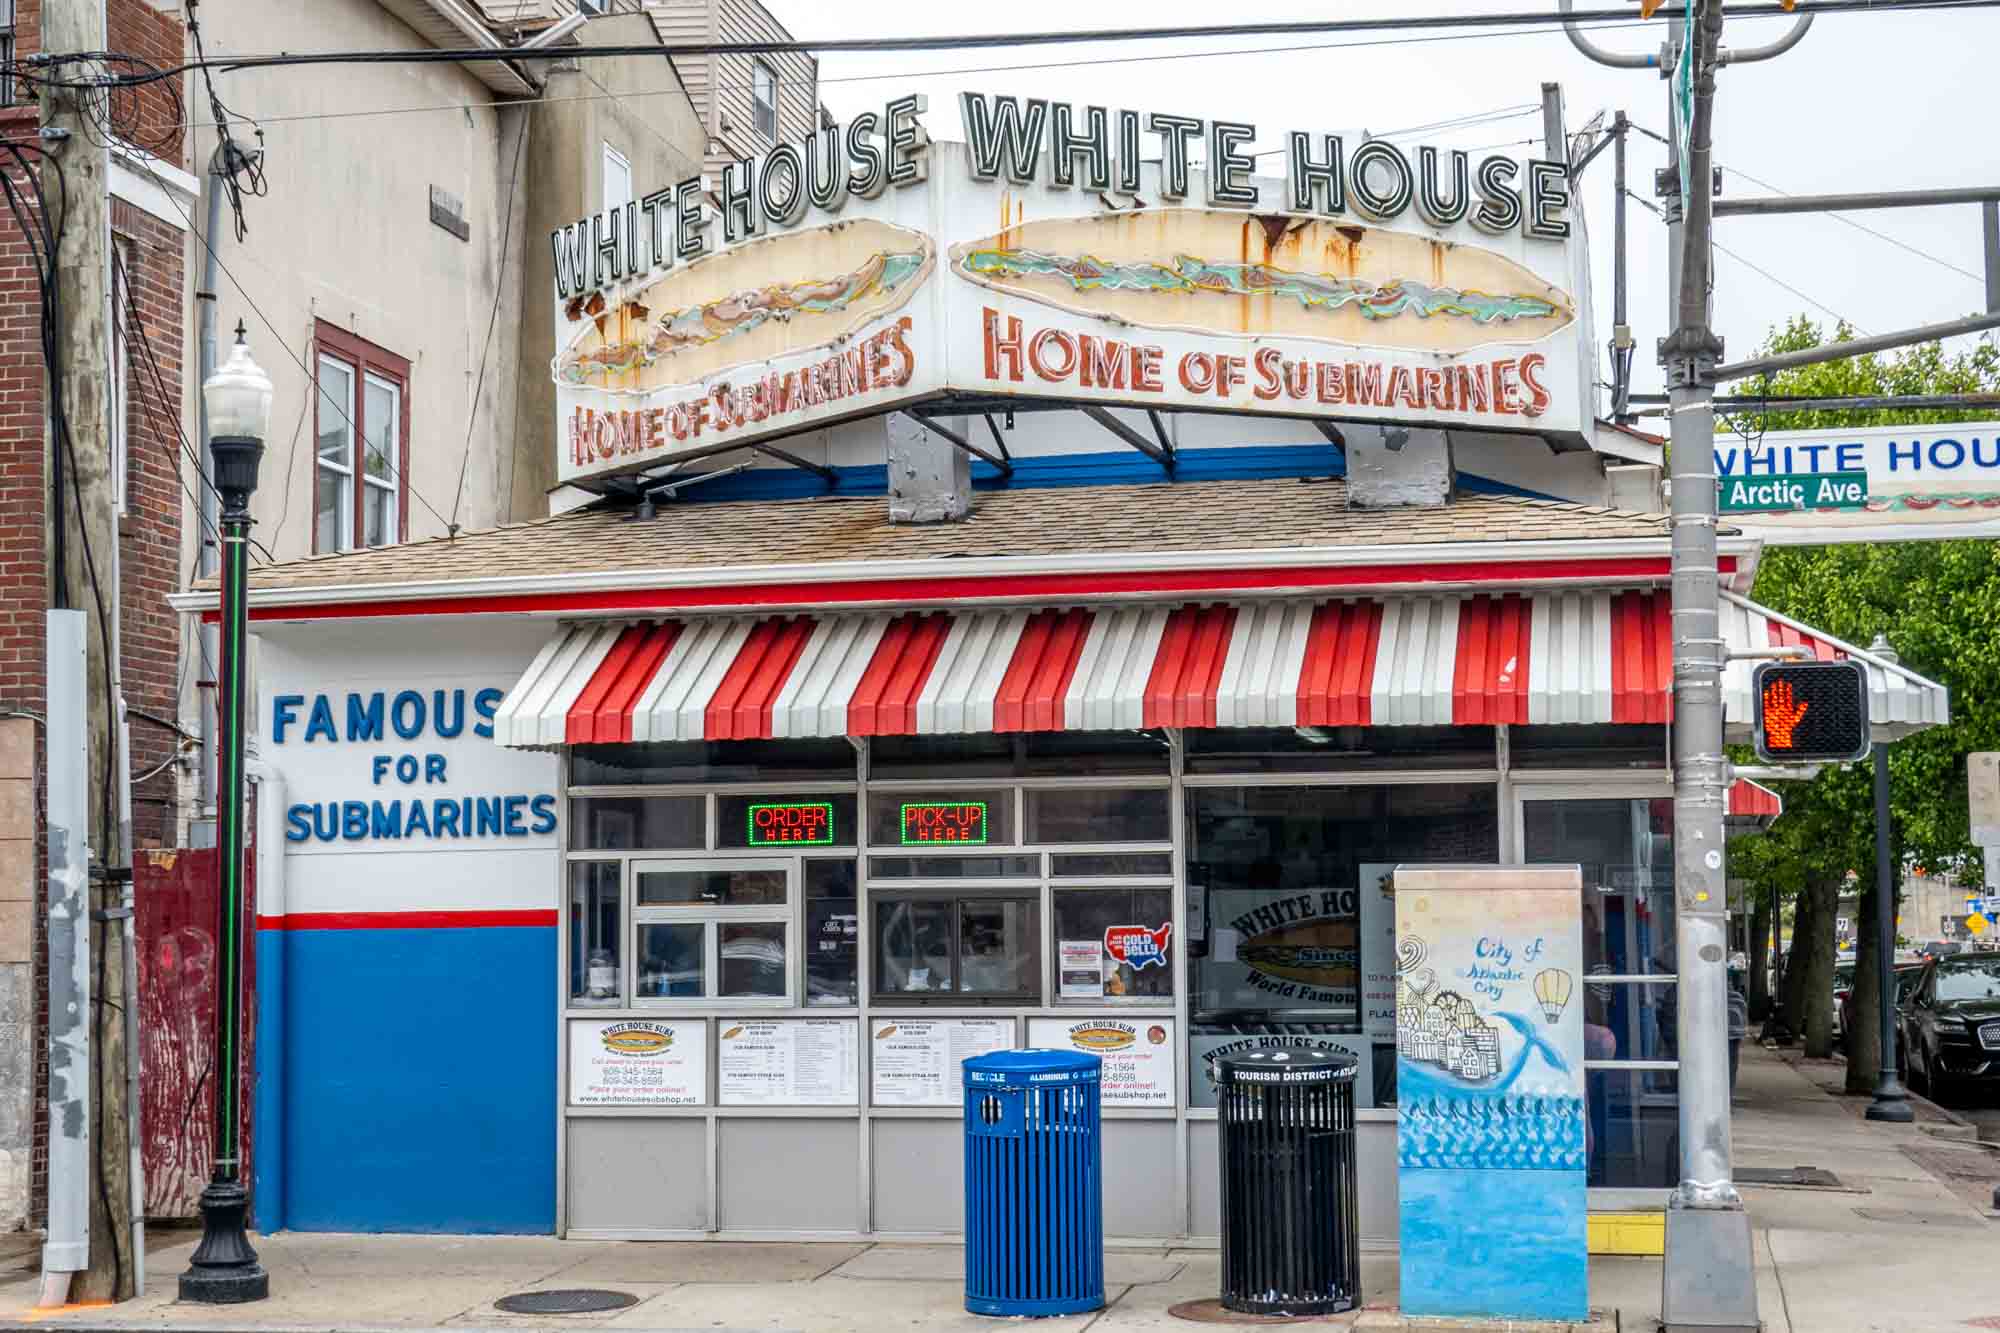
[[1303, 946]]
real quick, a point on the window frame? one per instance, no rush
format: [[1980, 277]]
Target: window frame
[[612, 155], [758, 106], [957, 895], [711, 918], [362, 360]]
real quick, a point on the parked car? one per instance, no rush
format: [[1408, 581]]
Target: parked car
[[1906, 973], [1952, 1025], [1942, 948]]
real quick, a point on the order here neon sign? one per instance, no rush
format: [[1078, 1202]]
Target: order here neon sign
[[790, 823]]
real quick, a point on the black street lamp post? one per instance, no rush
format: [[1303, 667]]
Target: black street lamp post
[[1891, 1102], [224, 1268]]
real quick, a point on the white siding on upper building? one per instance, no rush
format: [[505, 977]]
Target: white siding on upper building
[[720, 85]]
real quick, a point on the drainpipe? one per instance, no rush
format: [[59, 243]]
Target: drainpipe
[[268, 1168], [135, 1118], [206, 552]]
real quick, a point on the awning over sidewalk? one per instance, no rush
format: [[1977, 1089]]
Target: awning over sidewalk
[[1577, 656]]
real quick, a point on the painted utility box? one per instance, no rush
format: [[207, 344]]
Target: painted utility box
[[1490, 1095]]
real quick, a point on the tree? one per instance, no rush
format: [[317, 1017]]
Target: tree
[[1939, 603]]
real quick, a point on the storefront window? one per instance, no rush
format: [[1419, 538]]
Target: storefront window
[[973, 947], [673, 961], [714, 887], [594, 936], [1112, 865], [1338, 749], [1626, 745], [1035, 754], [752, 955], [1625, 847], [954, 867], [785, 823], [943, 819], [833, 929], [652, 823], [711, 761], [1114, 944], [1290, 939], [1070, 814]]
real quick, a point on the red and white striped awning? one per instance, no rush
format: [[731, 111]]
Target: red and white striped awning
[[1753, 800], [1548, 657]]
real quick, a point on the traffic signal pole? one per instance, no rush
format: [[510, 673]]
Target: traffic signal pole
[[1709, 1278]]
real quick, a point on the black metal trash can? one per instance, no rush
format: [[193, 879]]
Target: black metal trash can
[[1290, 1244]]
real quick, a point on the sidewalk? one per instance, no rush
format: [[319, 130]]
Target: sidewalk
[[1893, 1249]]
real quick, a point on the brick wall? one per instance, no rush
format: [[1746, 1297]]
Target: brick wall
[[154, 257]]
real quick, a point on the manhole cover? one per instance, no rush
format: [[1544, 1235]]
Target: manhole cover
[[1796, 1177], [1910, 1218], [567, 1300], [1212, 1311]]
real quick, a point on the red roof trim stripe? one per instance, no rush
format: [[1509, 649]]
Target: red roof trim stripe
[[1304, 580]]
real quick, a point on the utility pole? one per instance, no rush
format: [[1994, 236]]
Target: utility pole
[[1709, 1278], [85, 530]]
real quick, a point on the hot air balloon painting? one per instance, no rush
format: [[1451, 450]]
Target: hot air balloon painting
[[1552, 990]]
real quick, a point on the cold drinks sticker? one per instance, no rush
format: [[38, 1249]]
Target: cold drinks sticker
[[1136, 946], [1137, 1054], [627, 1062]]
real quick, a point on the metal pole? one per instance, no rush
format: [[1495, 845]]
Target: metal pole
[[1555, 143], [1853, 203], [1708, 1280], [1891, 1102], [1881, 342], [67, 1249], [1989, 224], [1621, 328], [224, 1267]]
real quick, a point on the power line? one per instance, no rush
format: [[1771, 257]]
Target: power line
[[1648, 205], [974, 41], [1921, 253]]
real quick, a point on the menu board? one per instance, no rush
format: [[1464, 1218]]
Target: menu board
[[786, 1061], [1205, 1048], [638, 1062], [1138, 1055], [915, 1061]]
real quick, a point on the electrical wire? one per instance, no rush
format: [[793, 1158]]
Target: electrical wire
[[975, 41], [492, 320], [1758, 269], [1836, 216]]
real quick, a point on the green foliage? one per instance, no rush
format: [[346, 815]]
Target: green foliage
[[1939, 603]]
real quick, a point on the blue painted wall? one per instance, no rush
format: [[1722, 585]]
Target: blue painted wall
[[419, 1078]]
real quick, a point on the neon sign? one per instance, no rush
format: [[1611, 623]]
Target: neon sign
[[790, 823], [935, 823]]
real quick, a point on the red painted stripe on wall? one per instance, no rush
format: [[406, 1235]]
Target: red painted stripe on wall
[[407, 920], [945, 590]]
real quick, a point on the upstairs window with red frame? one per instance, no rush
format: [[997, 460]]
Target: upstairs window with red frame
[[362, 424]]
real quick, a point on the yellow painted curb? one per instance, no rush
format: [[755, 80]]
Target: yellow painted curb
[[1628, 1233]]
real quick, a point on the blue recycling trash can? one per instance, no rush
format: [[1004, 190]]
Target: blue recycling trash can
[[1034, 1184]]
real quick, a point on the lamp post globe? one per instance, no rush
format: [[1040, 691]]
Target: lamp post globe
[[223, 1269], [238, 399]]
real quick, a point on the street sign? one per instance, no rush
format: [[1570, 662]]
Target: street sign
[[1988, 906], [1791, 491], [1810, 711], [1977, 924]]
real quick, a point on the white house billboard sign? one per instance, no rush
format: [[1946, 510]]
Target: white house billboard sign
[[1924, 481], [866, 268]]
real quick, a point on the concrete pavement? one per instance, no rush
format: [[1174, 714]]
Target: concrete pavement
[[1894, 1248]]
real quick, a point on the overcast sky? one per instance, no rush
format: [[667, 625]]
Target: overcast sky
[[1866, 101]]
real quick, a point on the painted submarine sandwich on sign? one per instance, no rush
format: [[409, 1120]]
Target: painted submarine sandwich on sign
[[1217, 272], [783, 294]]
